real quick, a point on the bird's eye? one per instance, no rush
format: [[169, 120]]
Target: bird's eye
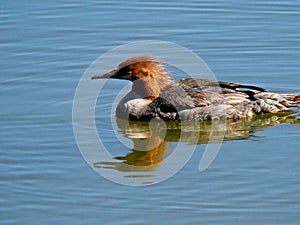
[[125, 71]]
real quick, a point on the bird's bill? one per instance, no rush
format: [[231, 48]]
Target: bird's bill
[[111, 74]]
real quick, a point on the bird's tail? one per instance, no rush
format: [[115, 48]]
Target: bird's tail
[[294, 98]]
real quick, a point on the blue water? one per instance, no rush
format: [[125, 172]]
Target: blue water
[[46, 48]]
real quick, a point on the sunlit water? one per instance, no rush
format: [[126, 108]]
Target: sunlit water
[[45, 50]]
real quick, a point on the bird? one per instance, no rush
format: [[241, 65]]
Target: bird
[[154, 95]]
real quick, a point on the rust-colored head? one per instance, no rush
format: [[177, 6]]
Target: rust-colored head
[[147, 74]]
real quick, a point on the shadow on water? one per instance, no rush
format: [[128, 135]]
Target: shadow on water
[[153, 141]]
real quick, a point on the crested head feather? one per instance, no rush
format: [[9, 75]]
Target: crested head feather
[[143, 66]]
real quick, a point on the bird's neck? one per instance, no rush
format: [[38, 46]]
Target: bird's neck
[[151, 87]]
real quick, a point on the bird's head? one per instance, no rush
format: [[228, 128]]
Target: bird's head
[[147, 74]]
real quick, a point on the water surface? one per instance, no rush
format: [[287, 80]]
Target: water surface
[[46, 47]]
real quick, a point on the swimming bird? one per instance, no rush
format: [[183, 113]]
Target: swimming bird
[[155, 95]]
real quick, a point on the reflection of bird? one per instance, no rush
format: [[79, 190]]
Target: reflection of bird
[[154, 94], [152, 141], [194, 132]]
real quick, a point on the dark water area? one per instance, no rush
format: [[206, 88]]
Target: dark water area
[[46, 48]]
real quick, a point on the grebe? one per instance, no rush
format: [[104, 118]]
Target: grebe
[[155, 95]]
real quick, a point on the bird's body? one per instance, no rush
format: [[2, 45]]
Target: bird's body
[[155, 95]]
